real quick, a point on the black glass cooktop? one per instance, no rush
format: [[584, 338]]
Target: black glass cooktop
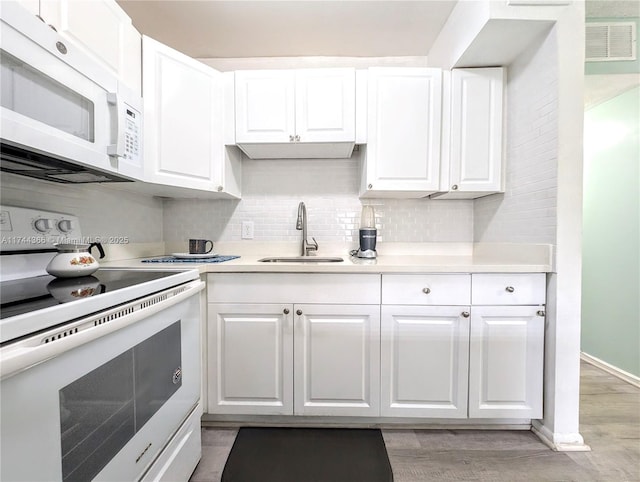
[[26, 295]]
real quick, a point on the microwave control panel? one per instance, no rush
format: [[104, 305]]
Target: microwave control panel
[[132, 132]]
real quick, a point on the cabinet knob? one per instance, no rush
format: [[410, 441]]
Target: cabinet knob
[[370, 186], [465, 314], [426, 291], [540, 313], [298, 312], [62, 48], [454, 187], [297, 138], [286, 311], [510, 289], [219, 188], [290, 138]]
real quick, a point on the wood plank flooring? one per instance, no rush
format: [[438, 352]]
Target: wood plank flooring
[[609, 423]]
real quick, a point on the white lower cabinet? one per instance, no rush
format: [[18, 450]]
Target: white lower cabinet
[[250, 359], [506, 355], [337, 360], [447, 346], [424, 361], [284, 358], [506, 362]]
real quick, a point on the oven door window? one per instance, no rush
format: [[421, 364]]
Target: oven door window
[[101, 411]]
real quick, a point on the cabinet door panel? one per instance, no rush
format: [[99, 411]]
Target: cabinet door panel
[[403, 150], [250, 359], [325, 105], [476, 130], [104, 30], [265, 106], [181, 147], [337, 360], [506, 362], [424, 361]]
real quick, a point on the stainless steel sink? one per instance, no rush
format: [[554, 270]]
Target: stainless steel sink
[[301, 259]]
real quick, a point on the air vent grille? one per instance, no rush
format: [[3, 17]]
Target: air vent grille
[[111, 315], [610, 41]]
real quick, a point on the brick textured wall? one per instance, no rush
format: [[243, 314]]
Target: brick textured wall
[[272, 190], [526, 212], [102, 210]]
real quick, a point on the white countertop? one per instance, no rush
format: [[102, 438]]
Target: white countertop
[[481, 259]]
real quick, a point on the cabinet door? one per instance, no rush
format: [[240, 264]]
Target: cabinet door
[[337, 360], [506, 362], [424, 361], [104, 30], [476, 131], [403, 134], [325, 105], [250, 355], [265, 106], [182, 146]]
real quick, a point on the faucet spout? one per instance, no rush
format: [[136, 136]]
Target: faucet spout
[[301, 225]]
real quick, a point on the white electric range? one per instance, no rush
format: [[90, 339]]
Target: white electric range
[[100, 374]]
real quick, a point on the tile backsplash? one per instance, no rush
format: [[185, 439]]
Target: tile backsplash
[[272, 189], [526, 212], [103, 210]]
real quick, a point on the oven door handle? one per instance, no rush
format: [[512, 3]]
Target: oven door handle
[[23, 355]]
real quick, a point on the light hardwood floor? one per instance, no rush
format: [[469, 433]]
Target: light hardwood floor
[[609, 423]]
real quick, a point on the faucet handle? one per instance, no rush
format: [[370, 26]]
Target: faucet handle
[[312, 246]]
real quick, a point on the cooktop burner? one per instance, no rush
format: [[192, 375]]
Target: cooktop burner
[[22, 296]]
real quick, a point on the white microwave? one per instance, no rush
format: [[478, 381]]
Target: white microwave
[[64, 117]]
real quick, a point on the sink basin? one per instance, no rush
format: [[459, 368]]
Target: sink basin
[[301, 259]]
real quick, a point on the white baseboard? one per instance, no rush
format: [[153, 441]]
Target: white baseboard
[[615, 371], [572, 442]]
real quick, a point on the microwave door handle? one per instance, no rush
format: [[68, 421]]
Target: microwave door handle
[[115, 103]]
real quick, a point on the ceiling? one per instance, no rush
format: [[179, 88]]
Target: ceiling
[[237, 29]]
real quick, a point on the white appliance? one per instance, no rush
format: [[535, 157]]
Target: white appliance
[[99, 375], [64, 117]]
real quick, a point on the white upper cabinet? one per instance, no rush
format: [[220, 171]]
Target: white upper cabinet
[[103, 30], [184, 110], [295, 113], [475, 164], [402, 157]]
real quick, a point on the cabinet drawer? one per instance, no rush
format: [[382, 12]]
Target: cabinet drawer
[[361, 289], [437, 289], [508, 289]]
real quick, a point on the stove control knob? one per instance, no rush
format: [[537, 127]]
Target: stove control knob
[[65, 226], [42, 225]]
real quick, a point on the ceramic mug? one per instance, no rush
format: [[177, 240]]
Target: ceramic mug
[[199, 246]]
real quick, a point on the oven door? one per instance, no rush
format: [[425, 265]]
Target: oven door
[[54, 98], [98, 399]]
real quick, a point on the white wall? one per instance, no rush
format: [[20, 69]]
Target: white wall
[[102, 210], [526, 212], [272, 189]]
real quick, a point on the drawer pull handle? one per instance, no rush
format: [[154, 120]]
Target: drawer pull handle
[[465, 314], [426, 291], [540, 313], [510, 289], [299, 312], [286, 311]]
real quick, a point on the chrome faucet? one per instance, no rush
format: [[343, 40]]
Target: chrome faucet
[[301, 225]]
